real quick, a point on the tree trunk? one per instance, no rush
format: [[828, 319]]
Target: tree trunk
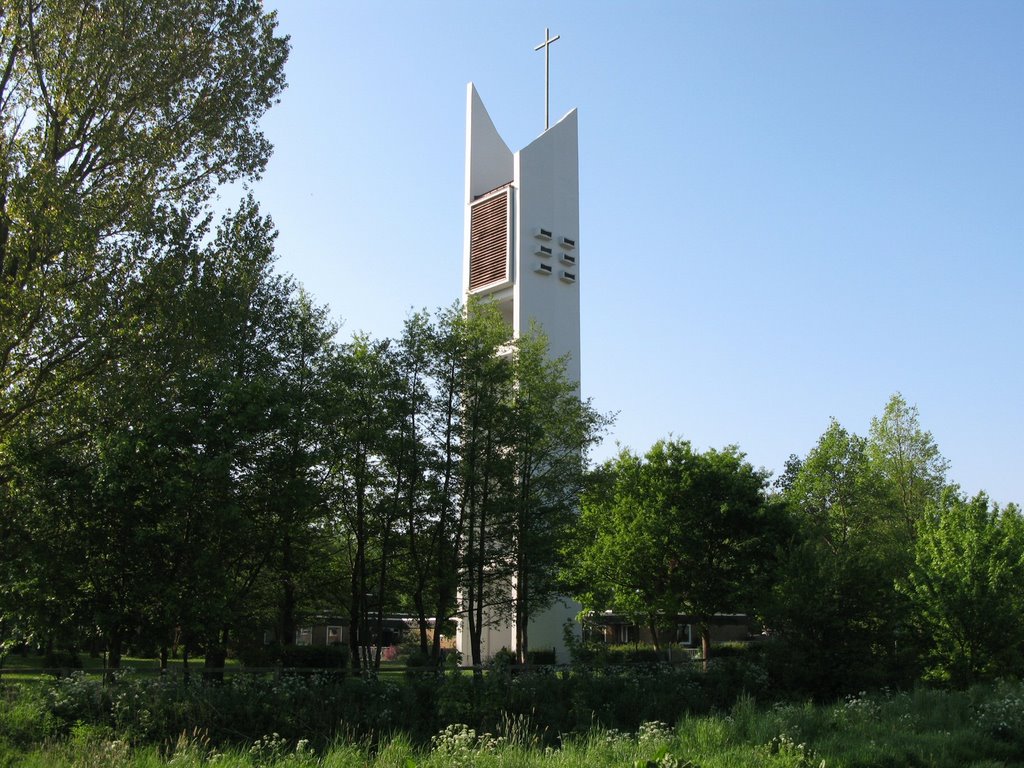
[[522, 577], [286, 616], [422, 621], [653, 626], [382, 583], [213, 664], [114, 650], [443, 599], [524, 649], [705, 644], [357, 603], [521, 614]]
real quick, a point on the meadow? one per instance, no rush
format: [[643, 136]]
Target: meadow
[[575, 719]]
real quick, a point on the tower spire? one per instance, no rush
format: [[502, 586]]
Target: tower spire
[[546, 45]]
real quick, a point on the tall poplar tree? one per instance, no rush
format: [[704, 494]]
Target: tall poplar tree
[[114, 114]]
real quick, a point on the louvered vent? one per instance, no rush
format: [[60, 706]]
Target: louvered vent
[[488, 241]]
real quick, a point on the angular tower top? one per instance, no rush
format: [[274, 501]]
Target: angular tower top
[[488, 158]]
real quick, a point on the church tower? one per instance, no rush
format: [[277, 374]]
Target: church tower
[[522, 252], [522, 228]]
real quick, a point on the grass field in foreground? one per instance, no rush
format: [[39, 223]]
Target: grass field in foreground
[[982, 728], [32, 668]]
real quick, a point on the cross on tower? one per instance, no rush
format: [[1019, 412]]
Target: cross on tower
[[546, 45]]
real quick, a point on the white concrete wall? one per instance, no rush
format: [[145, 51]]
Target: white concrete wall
[[547, 184], [489, 164], [547, 628], [495, 636]]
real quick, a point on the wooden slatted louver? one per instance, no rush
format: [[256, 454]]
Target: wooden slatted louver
[[488, 240]]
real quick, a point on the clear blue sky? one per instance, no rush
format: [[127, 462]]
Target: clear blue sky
[[789, 210]]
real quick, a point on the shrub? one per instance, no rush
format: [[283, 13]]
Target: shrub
[[1002, 715], [62, 659], [24, 717], [732, 650], [314, 656], [602, 654], [542, 657], [296, 656], [153, 710]]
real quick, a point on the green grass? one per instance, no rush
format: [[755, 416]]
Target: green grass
[[32, 661], [938, 729], [32, 668]]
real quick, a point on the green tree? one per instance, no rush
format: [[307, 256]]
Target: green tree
[[153, 497], [114, 114], [834, 605], [965, 587], [839, 493], [460, 348], [857, 504], [364, 482], [417, 457], [485, 469], [551, 433], [281, 484], [675, 531], [119, 119], [909, 462]]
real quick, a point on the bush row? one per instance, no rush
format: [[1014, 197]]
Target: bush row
[[324, 705]]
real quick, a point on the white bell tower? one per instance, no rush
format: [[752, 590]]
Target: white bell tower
[[522, 245]]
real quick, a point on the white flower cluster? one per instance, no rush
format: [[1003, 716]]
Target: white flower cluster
[[653, 730], [1002, 717], [272, 750], [799, 754], [459, 744]]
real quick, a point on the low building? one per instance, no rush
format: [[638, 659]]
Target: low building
[[615, 629]]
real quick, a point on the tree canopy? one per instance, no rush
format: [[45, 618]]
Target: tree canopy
[[965, 587], [119, 118], [676, 531], [190, 455]]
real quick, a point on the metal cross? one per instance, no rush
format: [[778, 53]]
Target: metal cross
[[546, 45]]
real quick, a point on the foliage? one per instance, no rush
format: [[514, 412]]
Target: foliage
[[458, 745], [320, 706], [909, 462], [298, 656], [25, 718], [538, 656], [965, 588], [114, 116], [167, 517], [674, 532], [478, 450], [1001, 714], [123, 320], [945, 729], [857, 504]]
